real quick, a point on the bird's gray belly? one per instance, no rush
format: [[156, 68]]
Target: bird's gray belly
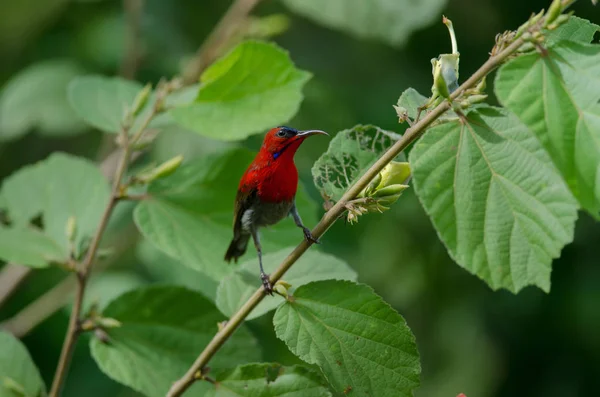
[[265, 214]]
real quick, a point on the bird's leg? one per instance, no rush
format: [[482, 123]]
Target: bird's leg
[[263, 276], [307, 234]]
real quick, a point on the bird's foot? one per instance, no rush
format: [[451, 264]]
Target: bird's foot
[[266, 283], [309, 237]]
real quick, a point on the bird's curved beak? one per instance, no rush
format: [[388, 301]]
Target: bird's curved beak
[[304, 134]]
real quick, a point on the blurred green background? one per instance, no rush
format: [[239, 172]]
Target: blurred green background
[[471, 339]]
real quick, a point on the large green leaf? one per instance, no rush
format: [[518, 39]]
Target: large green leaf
[[60, 188], [495, 198], [236, 288], [269, 380], [254, 87], [575, 29], [163, 330], [19, 377], [189, 214], [391, 21], [36, 99], [29, 246], [101, 101], [351, 152], [557, 95], [165, 269], [361, 344]]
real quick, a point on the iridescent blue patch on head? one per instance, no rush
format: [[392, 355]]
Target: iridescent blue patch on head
[[276, 154]]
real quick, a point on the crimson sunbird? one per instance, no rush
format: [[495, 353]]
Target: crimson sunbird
[[266, 193]]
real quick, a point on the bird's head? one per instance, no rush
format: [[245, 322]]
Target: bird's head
[[286, 140]]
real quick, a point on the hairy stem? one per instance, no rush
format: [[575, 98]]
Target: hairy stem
[[220, 36], [411, 134], [83, 272]]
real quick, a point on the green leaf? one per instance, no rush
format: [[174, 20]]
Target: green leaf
[[391, 21], [17, 370], [101, 101], [351, 152], [360, 343], [107, 286], [58, 188], [236, 288], [28, 246], [36, 99], [557, 96], [411, 100], [495, 198], [575, 29], [163, 330], [189, 214], [165, 269], [254, 87], [269, 380]]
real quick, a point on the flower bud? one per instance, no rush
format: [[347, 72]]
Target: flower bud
[[280, 289], [390, 190], [71, 229], [141, 100], [553, 12], [163, 170], [107, 322], [371, 186], [395, 173]]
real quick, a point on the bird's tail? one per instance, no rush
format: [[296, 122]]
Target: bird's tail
[[237, 247]]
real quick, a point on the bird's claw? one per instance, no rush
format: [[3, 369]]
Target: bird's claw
[[266, 283], [309, 237]]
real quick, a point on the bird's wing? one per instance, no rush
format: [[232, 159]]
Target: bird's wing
[[243, 201]]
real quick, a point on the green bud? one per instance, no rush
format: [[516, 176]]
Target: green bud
[[390, 190], [553, 12], [106, 322], [371, 186], [268, 26], [389, 200], [141, 99], [71, 229], [280, 289], [163, 170], [478, 98], [395, 173]]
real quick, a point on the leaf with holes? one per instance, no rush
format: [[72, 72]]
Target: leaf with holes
[[58, 189], [391, 21], [558, 97], [350, 153], [268, 380], [254, 87], [495, 198], [360, 343], [162, 330], [189, 213], [236, 288]]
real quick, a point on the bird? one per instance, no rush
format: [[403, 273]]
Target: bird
[[266, 193]]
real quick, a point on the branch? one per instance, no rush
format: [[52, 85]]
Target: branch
[[411, 134], [131, 57], [212, 48], [11, 277]]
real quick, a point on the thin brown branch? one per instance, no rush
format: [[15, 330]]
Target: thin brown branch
[[11, 276], [133, 53], [40, 309], [411, 134], [220, 36]]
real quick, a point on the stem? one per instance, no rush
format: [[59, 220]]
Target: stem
[[219, 37], [73, 330], [11, 277], [411, 134], [131, 57]]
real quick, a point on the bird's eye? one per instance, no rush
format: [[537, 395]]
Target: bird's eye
[[281, 134]]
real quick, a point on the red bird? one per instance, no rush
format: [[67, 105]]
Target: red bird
[[266, 193]]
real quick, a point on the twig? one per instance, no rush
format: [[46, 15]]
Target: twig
[[213, 46], [411, 134], [131, 57], [11, 277], [40, 309]]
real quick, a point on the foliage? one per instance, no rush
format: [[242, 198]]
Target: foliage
[[501, 186]]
